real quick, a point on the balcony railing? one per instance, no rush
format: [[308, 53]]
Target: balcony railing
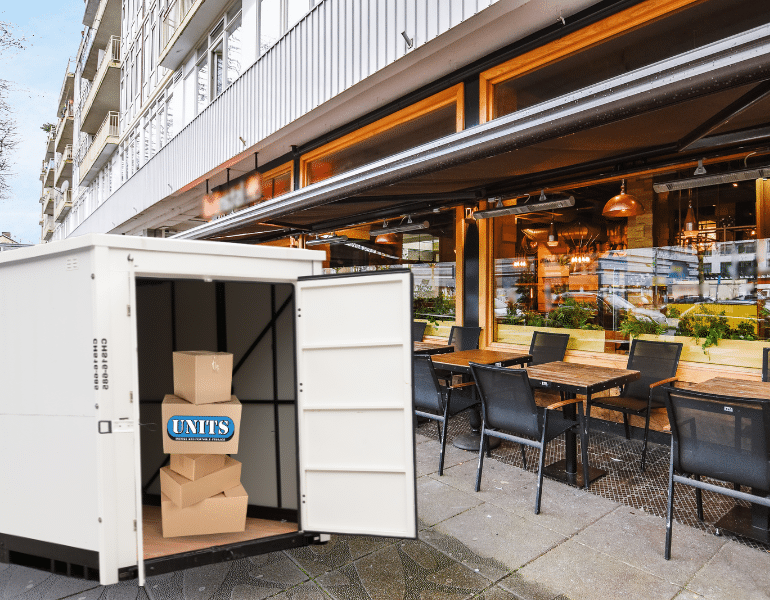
[[47, 200], [63, 206], [176, 14], [110, 60], [104, 143], [48, 225], [65, 160], [64, 127]]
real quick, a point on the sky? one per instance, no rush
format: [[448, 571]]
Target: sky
[[52, 31]]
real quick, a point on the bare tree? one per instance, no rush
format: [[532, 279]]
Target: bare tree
[[8, 134]]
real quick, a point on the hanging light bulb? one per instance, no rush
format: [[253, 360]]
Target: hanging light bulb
[[622, 205], [553, 238], [690, 224]]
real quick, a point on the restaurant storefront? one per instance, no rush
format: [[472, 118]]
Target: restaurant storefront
[[609, 181]]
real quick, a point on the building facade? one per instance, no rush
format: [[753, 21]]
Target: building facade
[[599, 166]]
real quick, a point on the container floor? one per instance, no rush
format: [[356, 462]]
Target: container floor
[[156, 545]]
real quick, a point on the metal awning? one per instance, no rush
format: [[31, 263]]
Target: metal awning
[[681, 93]]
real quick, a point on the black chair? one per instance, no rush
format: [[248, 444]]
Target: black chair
[[435, 401], [418, 330], [657, 362], [464, 338], [720, 437], [548, 347], [508, 405], [765, 365]]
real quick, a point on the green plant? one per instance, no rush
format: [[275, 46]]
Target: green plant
[[672, 312], [430, 307], [572, 315], [713, 326], [634, 326]]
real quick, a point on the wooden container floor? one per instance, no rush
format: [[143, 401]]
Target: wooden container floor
[[155, 545]]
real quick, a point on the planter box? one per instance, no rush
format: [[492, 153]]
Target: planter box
[[736, 353], [440, 329], [589, 340]]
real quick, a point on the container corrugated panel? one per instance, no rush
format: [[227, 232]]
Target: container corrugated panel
[[338, 44]]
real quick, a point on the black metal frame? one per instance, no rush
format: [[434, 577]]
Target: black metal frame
[[693, 479], [766, 364], [462, 327], [644, 412]]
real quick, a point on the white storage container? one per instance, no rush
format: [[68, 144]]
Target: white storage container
[[322, 367]]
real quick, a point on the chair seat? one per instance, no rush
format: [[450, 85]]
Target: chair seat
[[633, 404]]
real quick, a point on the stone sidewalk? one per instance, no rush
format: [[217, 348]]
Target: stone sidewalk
[[487, 545]]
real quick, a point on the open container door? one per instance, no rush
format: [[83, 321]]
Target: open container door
[[355, 404]]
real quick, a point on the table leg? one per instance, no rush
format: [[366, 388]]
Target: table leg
[[753, 522], [569, 470], [471, 441]]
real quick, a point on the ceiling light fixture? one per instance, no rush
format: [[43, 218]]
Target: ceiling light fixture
[[331, 239], [700, 169], [549, 205], [697, 182], [622, 205], [408, 226]]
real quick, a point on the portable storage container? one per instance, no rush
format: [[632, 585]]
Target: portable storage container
[[322, 367]]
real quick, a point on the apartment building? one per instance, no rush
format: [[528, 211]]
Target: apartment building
[[507, 151]]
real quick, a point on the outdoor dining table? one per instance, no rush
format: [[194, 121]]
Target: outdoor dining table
[[457, 363], [748, 522], [570, 379]]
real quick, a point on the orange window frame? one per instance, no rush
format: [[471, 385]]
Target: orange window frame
[[453, 95], [273, 174], [601, 31]]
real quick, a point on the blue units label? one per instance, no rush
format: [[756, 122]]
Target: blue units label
[[200, 429]]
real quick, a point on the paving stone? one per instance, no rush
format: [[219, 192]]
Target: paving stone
[[496, 593], [201, 583], [523, 589], [494, 533], [487, 567], [17, 580], [437, 501], [734, 572], [582, 573], [638, 539], [688, 595], [125, 590], [497, 477], [428, 453], [339, 551], [55, 587], [305, 591], [411, 569]]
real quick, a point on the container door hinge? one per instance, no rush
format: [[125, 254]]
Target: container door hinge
[[134, 524], [128, 310], [119, 426]]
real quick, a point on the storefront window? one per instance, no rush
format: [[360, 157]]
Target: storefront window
[[606, 281]]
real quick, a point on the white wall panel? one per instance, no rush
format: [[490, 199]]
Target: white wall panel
[[338, 44]]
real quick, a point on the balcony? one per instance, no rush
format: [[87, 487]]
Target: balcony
[[50, 142], [47, 200], [104, 144], [63, 206], [64, 129], [48, 224], [104, 95], [68, 85], [185, 23], [63, 167], [106, 24], [49, 166]]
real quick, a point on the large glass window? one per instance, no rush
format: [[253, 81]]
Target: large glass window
[[269, 24]]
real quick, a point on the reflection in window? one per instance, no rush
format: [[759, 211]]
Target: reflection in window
[[217, 70], [269, 24], [234, 53], [203, 84]]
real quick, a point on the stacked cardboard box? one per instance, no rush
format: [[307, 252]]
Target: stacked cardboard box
[[201, 489]]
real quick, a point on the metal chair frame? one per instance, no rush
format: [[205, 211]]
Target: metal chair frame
[[766, 364], [559, 342], [609, 402], [545, 435], [418, 330], [465, 332], [693, 479]]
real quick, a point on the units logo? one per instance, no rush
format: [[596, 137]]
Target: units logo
[[200, 429]]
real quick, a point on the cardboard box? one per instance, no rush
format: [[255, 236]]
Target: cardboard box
[[184, 492], [223, 513], [192, 429], [195, 466], [203, 377]]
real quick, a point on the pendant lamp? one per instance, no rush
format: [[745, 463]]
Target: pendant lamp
[[622, 205]]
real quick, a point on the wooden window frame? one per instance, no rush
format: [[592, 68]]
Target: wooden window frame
[[453, 95], [601, 31], [285, 168]]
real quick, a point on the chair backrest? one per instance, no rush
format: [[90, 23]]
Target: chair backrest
[[548, 347], [427, 391], [765, 365], [507, 401], [720, 436], [418, 330], [655, 361], [464, 338]]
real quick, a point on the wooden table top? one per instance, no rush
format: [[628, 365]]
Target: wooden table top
[[738, 388], [453, 361], [426, 346], [578, 378]]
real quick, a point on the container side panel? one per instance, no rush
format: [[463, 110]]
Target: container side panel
[[47, 327], [355, 409], [288, 431], [52, 466], [285, 351], [153, 457], [154, 338], [196, 321], [256, 451]]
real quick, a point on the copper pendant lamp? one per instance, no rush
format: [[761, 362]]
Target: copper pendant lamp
[[386, 238], [622, 205]]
